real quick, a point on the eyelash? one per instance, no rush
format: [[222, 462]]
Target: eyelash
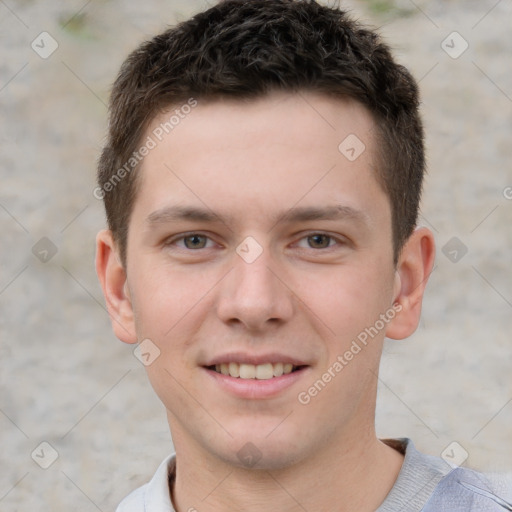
[[309, 235]]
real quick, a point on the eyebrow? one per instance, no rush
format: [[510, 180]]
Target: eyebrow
[[297, 214]]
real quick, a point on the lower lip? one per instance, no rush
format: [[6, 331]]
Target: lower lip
[[254, 388]]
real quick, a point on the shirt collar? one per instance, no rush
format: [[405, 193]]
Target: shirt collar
[[157, 497]]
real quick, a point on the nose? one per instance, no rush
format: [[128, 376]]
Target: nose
[[255, 294]]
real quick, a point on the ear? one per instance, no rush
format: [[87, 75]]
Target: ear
[[412, 273], [112, 276]]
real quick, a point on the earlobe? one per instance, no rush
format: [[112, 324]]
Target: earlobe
[[113, 280], [412, 273]]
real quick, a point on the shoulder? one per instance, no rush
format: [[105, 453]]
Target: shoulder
[[417, 480], [429, 484], [465, 490]]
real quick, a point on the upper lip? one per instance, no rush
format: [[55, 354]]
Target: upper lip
[[255, 359]]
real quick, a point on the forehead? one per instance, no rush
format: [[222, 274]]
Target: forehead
[[261, 155]]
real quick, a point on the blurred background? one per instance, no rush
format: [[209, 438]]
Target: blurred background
[[80, 426]]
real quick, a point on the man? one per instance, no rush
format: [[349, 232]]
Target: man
[[261, 179]]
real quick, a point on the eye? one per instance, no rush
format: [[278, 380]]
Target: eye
[[191, 241], [318, 241]]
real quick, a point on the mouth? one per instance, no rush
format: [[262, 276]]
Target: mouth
[[265, 371], [255, 376]]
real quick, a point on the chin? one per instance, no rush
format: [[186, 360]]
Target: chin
[[256, 452]]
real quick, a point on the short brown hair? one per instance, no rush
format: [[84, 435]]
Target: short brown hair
[[245, 49]]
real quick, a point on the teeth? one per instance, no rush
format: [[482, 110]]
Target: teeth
[[264, 371], [278, 369], [250, 371], [247, 371], [234, 369]]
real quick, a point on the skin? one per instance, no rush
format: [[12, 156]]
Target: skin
[[304, 296]]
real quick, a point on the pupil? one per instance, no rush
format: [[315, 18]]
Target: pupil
[[318, 239], [194, 241]]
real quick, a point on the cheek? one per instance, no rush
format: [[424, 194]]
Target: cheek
[[348, 299], [172, 388], [164, 299]]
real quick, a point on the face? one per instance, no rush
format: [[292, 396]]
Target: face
[[258, 253]]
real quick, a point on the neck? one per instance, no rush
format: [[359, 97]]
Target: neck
[[355, 474]]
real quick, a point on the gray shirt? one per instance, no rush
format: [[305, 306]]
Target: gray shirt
[[429, 484], [424, 484]]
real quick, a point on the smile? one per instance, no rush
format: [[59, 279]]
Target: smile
[[264, 371]]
